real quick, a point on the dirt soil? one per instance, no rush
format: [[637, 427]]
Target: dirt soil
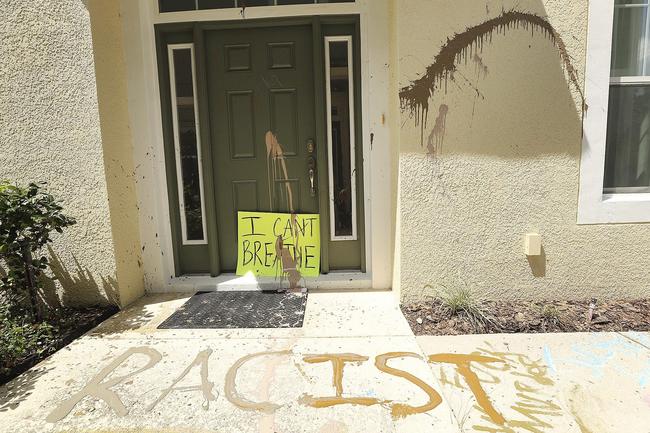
[[492, 317]]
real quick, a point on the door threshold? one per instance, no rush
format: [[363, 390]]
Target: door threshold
[[342, 280]]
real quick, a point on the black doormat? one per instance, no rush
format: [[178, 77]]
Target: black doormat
[[243, 309]]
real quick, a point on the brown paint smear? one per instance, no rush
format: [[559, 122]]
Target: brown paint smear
[[533, 409], [338, 363], [230, 387], [276, 162], [415, 97], [481, 68], [275, 158], [101, 390], [437, 136], [289, 264], [205, 387], [399, 410], [531, 402], [463, 363]]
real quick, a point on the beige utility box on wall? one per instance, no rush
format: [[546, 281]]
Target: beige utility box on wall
[[533, 244]]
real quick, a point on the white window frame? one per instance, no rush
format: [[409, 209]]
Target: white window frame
[[330, 157], [236, 5], [595, 206], [177, 147]]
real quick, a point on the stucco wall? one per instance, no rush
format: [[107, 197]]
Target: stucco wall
[[506, 162], [50, 131], [112, 95]]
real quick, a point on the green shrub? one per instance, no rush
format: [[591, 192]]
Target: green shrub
[[28, 215], [20, 339]]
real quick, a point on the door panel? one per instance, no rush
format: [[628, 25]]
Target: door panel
[[260, 82], [241, 122]]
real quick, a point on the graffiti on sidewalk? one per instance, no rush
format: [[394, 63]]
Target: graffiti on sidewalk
[[533, 407], [474, 374]]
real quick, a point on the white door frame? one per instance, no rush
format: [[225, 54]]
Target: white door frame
[[379, 162]]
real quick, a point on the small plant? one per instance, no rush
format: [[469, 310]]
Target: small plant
[[460, 301], [28, 215], [20, 339], [550, 313], [551, 317]]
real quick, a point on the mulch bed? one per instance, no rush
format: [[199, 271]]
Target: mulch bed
[[71, 323], [434, 318]]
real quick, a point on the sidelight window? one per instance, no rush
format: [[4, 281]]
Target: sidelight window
[[186, 143], [341, 137]]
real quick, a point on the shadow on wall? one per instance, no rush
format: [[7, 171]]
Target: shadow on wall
[[538, 264], [76, 287]]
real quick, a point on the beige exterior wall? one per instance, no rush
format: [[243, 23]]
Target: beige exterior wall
[[507, 163], [112, 95], [50, 131], [507, 157]]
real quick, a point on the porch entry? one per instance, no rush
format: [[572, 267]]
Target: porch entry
[[261, 116]]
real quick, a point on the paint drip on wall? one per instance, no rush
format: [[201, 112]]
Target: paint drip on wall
[[415, 97], [437, 135]]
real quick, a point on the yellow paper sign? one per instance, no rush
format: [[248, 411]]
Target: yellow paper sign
[[273, 244]]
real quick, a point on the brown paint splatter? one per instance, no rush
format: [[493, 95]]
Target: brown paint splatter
[[415, 97], [338, 361], [399, 410], [288, 263], [533, 408], [230, 386], [101, 390], [463, 363], [531, 401], [275, 158], [437, 135], [276, 164]]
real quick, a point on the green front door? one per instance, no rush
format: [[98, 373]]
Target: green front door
[[262, 116], [262, 121]]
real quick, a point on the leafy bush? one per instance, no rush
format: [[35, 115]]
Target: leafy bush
[[28, 215], [20, 339]]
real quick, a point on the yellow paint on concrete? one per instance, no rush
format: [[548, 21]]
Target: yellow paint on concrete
[[508, 164]]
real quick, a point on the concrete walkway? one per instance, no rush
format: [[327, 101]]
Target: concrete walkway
[[355, 366]]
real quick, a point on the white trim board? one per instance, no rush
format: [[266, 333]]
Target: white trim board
[[595, 207], [379, 162]]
